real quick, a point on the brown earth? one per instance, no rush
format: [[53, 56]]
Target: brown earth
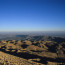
[[32, 52]]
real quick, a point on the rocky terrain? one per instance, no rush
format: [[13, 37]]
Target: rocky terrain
[[33, 50]]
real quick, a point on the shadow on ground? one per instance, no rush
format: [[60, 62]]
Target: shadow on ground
[[28, 56]]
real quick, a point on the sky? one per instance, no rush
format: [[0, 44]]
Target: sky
[[32, 15]]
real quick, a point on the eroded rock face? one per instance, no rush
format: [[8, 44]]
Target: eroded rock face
[[10, 46]]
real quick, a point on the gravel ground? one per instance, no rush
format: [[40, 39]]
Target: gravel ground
[[7, 59]]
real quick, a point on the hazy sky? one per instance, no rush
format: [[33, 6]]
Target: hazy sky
[[32, 15]]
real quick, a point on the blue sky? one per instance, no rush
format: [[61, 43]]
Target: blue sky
[[32, 15]]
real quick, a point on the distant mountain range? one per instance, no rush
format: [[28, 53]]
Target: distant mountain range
[[58, 37]]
